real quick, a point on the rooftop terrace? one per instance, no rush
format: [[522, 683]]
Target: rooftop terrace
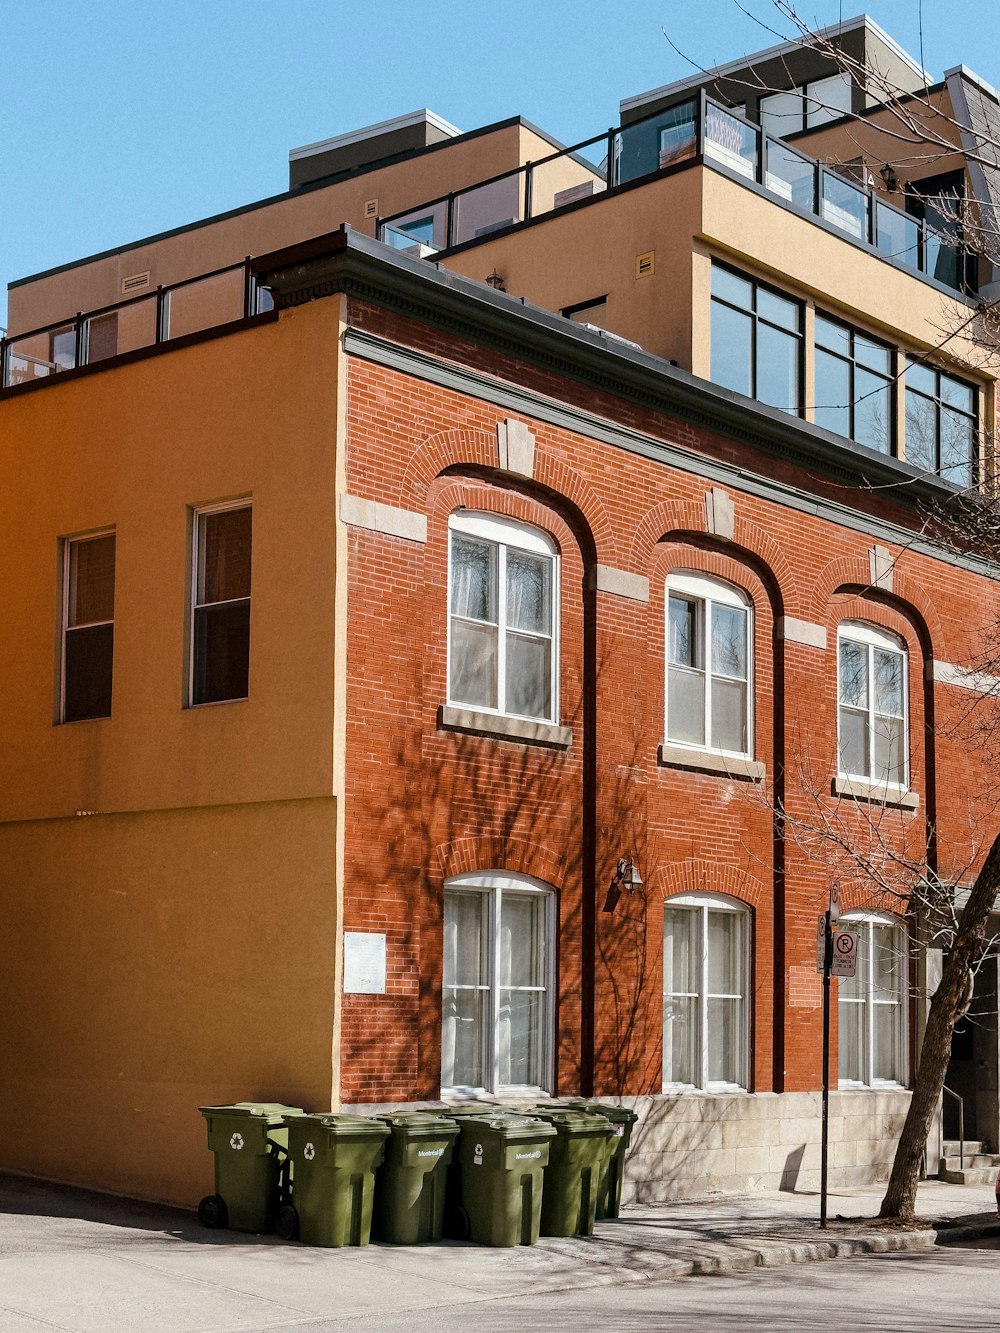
[[698, 130]]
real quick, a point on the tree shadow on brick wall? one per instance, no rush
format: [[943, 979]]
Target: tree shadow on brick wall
[[461, 802]]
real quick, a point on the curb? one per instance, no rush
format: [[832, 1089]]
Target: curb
[[954, 1235], [765, 1252]]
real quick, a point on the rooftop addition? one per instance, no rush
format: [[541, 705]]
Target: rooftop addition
[[699, 130]]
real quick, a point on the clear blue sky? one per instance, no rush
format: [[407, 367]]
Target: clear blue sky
[[122, 118]]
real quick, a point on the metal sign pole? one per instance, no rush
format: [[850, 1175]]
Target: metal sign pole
[[827, 961]]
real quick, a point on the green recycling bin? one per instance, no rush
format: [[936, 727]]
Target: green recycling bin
[[410, 1185], [250, 1141], [333, 1160], [456, 1217], [502, 1160], [573, 1173]]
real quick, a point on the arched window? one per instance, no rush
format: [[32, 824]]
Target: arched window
[[872, 1004], [496, 1030], [709, 665], [502, 617], [872, 705], [706, 970]]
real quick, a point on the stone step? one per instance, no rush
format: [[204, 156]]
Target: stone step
[[982, 1175], [980, 1161], [951, 1147]]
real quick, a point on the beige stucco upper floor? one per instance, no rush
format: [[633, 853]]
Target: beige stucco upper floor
[[136, 448], [284, 220], [682, 220]]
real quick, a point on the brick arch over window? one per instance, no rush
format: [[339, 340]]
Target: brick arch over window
[[679, 521], [851, 575], [720, 560], [486, 852], [696, 876], [861, 897], [449, 493], [887, 613], [477, 449]]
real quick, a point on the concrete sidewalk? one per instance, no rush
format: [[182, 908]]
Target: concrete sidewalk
[[73, 1260]]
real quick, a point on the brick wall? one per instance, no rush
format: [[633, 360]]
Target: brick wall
[[424, 803]]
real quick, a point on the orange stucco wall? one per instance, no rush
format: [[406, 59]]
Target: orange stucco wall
[[155, 962], [169, 875]]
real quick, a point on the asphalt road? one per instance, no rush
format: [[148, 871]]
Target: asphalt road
[[946, 1288]]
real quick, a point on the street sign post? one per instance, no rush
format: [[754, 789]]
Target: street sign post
[[824, 961]]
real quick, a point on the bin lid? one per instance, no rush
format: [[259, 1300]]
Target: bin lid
[[508, 1125], [272, 1112], [339, 1125], [574, 1122], [477, 1108], [618, 1115], [420, 1124]]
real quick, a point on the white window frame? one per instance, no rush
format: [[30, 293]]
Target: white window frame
[[504, 533], [858, 631], [862, 922], [495, 884], [701, 588], [197, 513], [703, 903], [65, 627]]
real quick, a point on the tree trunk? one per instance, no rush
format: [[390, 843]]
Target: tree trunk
[[951, 1000]]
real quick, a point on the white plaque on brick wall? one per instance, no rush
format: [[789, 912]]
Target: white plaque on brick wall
[[364, 963]]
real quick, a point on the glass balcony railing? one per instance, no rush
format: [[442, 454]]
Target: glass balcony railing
[[200, 303], [502, 201], [699, 129]]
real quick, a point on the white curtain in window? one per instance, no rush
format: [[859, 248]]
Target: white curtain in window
[[495, 1019]]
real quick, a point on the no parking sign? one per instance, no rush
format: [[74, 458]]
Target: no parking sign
[[845, 954]]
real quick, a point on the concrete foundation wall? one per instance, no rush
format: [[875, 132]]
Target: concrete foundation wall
[[697, 1145], [690, 1146]]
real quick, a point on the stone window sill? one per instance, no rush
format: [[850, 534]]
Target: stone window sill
[[504, 728], [875, 791], [704, 761]]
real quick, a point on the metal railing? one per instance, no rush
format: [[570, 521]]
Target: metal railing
[[702, 130], [223, 296], [961, 1128]]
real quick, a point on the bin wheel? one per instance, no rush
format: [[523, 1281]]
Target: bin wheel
[[212, 1211], [456, 1224], [286, 1222]]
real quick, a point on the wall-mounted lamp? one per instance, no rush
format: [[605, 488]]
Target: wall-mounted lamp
[[626, 877], [889, 178], [496, 282]]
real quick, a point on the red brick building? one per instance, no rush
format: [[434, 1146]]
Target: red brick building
[[440, 668]]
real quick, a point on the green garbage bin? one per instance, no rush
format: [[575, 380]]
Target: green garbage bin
[[573, 1173], [609, 1194], [250, 1141], [333, 1160], [502, 1159], [410, 1185]]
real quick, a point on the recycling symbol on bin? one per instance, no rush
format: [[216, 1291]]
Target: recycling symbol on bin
[[478, 1158], [309, 1152], [236, 1142]]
